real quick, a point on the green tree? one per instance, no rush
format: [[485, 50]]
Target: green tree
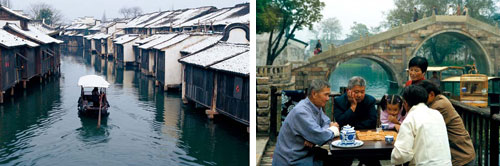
[[282, 18], [330, 30], [357, 30], [43, 11]]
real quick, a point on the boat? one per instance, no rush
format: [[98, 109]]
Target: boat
[[93, 99]]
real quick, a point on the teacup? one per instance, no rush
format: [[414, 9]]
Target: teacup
[[389, 139], [385, 126]]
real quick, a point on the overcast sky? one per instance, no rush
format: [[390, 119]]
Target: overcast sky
[[368, 12], [72, 9]]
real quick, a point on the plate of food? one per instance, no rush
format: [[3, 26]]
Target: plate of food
[[338, 143]]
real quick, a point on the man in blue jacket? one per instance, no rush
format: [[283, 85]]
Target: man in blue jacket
[[305, 126], [357, 109]]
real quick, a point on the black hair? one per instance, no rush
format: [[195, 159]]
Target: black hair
[[391, 99], [429, 87], [414, 95], [419, 62]]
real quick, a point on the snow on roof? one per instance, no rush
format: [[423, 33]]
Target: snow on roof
[[203, 19], [154, 19], [172, 41], [42, 27], [140, 19], [215, 54], [224, 16], [125, 39], [34, 34], [157, 41], [238, 14], [149, 38], [203, 44], [10, 40], [78, 26], [238, 64], [100, 36], [14, 12], [179, 17]]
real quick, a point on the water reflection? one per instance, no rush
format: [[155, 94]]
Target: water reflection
[[90, 134]]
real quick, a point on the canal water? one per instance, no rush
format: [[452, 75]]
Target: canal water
[[376, 77], [40, 125]]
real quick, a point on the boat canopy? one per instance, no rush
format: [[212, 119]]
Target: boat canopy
[[90, 81]]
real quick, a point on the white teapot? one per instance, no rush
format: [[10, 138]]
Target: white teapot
[[348, 135]]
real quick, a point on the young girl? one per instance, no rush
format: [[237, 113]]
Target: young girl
[[393, 112]]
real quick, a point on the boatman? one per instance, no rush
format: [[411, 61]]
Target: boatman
[[305, 126]]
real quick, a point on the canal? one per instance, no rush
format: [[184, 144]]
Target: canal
[[40, 125], [376, 77]]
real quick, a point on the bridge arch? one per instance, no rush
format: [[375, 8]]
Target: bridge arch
[[483, 59], [388, 67]]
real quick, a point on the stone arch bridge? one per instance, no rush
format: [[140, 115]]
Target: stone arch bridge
[[394, 48]]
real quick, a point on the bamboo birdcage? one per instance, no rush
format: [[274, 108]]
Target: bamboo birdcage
[[474, 90]]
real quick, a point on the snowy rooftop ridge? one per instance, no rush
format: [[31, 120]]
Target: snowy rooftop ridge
[[34, 34], [172, 41], [10, 40], [237, 14], [215, 54], [14, 12], [157, 41], [238, 64], [202, 44], [125, 39], [149, 38], [182, 16]]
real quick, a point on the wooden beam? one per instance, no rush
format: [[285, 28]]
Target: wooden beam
[[212, 111]]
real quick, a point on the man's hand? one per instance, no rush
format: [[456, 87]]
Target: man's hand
[[352, 100], [334, 124], [308, 144], [393, 119]]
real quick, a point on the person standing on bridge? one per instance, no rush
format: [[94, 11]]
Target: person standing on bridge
[[450, 11], [305, 126], [458, 10], [415, 14], [461, 147], [466, 10], [418, 67], [434, 10], [318, 49]]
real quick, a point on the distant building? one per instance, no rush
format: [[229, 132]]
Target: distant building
[[294, 51]]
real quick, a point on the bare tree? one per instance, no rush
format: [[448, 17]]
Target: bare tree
[[130, 12], [136, 11], [125, 12], [46, 13], [6, 3]]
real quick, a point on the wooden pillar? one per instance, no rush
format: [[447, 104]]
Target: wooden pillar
[[24, 84], [183, 85], [157, 83], [41, 78], [1, 96], [212, 111], [12, 91]]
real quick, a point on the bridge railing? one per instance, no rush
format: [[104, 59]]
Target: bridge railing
[[277, 73], [483, 127]]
